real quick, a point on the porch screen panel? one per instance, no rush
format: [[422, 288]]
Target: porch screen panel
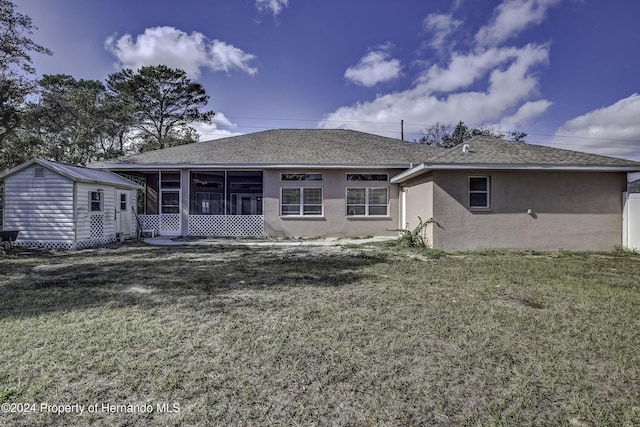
[[206, 193]]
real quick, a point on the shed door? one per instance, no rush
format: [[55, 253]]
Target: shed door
[[123, 215]]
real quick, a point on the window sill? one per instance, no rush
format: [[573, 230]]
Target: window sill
[[480, 210], [303, 217], [368, 217]]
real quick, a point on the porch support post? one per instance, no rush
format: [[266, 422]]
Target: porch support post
[[184, 202]]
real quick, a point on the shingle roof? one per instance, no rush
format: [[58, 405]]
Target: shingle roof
[[335, 147], [288, 147], [76, 173], [494, 151]]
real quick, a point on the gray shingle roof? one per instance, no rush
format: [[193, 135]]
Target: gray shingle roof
[[288, 147], [323, 147], [76, 173], [494, 151]]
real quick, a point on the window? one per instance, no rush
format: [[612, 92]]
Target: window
[[123, 202], [383, 177], [170, 202], [301, 201], [170, 180], [95, 201], [300, 177], [367, 201], [479, 192]]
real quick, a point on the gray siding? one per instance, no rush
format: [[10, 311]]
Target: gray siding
[[40, 208]]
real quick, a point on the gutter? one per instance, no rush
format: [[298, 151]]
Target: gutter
[[250, 166], [426, 167]]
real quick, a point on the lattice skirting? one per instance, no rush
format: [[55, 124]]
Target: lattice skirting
[[64, 244], [226, 225], [96, 242], [39, 244]]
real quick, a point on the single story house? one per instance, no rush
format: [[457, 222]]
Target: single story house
[[487, 193], [60, 206]]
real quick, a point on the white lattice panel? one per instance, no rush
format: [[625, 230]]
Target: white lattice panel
[[150, 222], [59, 244], [207, 225], [226, 225], [245, 225], [96, 227], [95, 242], [170, 222]]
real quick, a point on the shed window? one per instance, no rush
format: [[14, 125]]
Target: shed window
[[479, 187], [95, 201]]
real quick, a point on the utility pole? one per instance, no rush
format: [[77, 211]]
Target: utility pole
[[402, 130]]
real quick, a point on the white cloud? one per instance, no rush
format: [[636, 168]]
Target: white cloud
[[611, 130], [512, 17], [220, 127], [511, 84], [375, 67], [177, 49], [441, 26], [275, 6], [525, 114]]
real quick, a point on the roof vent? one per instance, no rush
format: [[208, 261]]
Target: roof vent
[[39, 172], [465, 148]]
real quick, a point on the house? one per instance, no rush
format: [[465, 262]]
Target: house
[[60, 206], [491, 193], [487, 193]]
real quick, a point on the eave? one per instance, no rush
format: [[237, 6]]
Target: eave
[[426, 167]]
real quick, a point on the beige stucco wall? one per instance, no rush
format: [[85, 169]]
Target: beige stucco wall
[[570, 210], [334, 222], [418, 194]]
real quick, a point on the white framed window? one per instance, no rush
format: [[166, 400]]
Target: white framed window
[[479, 191], [95, 201], [368, 201], [301, 201]]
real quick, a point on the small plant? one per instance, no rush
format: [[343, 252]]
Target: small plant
[[414, 238]]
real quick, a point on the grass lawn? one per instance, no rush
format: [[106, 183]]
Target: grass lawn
[[361, 335]]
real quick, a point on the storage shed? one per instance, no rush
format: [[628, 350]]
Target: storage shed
[[60, 206]]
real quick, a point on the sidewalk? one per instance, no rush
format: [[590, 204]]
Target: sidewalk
[[327, 241]]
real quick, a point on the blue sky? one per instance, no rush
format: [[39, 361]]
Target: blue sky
[[565, 71]]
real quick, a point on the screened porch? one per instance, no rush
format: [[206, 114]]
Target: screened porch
[[201, 203]]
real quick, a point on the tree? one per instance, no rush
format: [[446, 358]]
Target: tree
[[16, 66], [70, 118], [441, 135], [162, 102]]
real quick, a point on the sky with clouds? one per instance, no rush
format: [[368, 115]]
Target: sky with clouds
[[564, 71]]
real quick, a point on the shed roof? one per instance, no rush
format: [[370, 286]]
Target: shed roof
[[75, 173]]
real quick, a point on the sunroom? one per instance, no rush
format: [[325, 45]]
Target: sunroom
[[200, 202]]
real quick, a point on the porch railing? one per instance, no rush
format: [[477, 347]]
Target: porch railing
[[208, 225]]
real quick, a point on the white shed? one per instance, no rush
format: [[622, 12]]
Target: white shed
[[60, 206]]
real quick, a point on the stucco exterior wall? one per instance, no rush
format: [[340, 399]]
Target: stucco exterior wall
[[569, 210], [418, 195], [334, 222]]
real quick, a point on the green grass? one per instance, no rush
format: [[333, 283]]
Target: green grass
[[359, 335]]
